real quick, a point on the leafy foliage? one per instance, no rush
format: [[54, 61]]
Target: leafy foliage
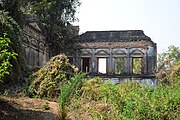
[[47, 81], [8, 25], [55, 17], [167, 58], [13, 8], [168, 64], [91, 87], [5, 56], [128, 101]]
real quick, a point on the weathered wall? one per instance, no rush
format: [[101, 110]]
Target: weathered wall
[[95, 46], [35, 49]]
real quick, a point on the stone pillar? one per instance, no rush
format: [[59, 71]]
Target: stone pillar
[[30, 56], [145, 62], [37, 58], [94, 62], [74, 59], [111, 66], [43, 57], [112, 63], [151, 63], [127, 68], [77, 60]]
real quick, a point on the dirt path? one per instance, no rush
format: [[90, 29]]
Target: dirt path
[[27, 109]]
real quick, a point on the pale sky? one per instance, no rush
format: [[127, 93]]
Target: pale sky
[[159, 19]]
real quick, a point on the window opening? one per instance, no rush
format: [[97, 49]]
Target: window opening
[[137, 65], [119, 65]]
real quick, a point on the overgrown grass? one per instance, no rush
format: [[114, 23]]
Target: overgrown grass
[[67, 91], [95, 99], [99, 100]]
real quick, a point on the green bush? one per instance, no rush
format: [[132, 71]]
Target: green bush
[[90, 89], [47, 81]]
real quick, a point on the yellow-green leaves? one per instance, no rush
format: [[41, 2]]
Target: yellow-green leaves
[[5, 56]]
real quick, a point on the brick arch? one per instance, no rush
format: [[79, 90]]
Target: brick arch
[[34, 41], [88, 52], [119, 52], [26, 40], [138, 50], [102, 51], [41, 45]]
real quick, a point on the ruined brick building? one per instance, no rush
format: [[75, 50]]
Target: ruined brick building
[[109, 54], [35, 49], [124, 54]]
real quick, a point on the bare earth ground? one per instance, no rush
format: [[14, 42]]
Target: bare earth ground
[[27, 109]]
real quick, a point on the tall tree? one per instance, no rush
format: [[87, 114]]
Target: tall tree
[[167, 58], [55, 16], [169, 64], [13, 7]]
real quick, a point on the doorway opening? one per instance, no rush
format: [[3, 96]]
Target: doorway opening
[[102, 65], [85, 64]]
